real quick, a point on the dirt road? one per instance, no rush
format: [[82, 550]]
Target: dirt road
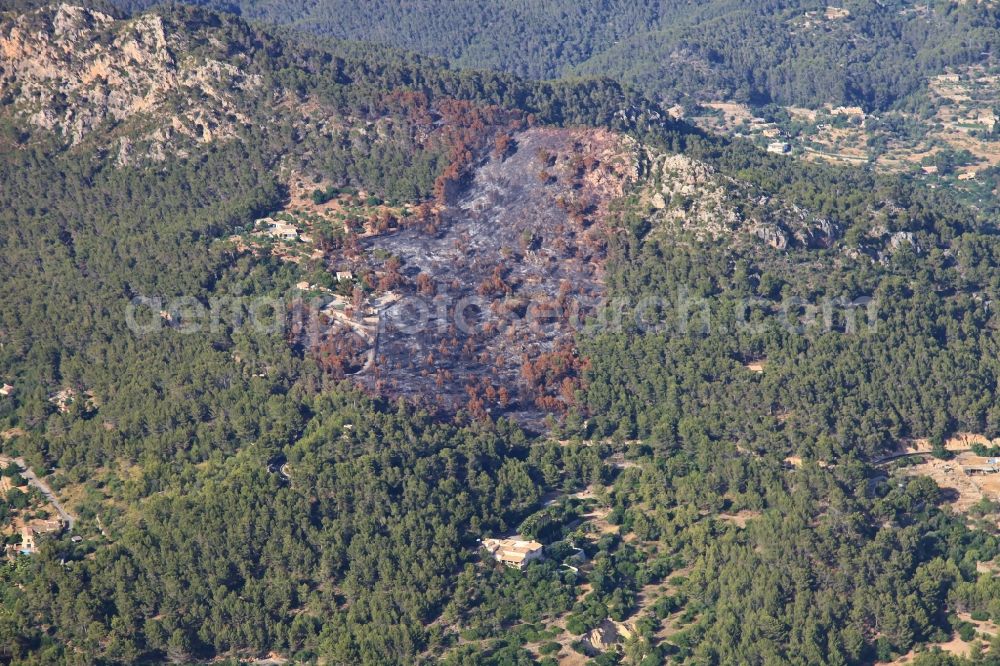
[[44, 488]]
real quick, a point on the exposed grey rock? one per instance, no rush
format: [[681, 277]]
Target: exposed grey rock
[[771, 234], [84, 69]]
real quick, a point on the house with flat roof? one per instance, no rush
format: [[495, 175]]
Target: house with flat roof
[[514, 552]]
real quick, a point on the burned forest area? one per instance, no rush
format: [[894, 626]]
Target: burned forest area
[[476, 300], [326, 348]]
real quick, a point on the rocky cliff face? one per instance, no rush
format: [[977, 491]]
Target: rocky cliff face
[[692, 196], [71, 70]]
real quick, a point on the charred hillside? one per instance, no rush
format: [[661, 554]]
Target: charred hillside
[[229, 347]]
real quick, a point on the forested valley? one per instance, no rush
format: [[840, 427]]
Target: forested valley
[[803, 53]]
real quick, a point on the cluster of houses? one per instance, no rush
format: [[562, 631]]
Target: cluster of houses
[[768, 131]]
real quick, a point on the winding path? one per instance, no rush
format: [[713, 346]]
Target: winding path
[[44, 488]]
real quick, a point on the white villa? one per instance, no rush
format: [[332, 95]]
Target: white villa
[[514, 552]]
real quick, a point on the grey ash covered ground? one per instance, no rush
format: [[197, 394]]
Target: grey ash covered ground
[[492, 298]]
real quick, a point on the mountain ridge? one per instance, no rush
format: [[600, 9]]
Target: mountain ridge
[[675, 50]]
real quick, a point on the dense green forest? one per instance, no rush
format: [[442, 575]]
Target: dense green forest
[[198, 548], [759, 51]]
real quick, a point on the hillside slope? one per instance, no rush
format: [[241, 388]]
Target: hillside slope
[[794, 53], [183, 323]]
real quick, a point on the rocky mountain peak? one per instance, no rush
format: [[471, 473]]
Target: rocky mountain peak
[[69, 69]]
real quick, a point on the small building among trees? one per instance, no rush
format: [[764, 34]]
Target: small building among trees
[[514, 552]]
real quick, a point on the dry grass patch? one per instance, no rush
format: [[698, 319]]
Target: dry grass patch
[[740, 518], [962, 493], [956, 647]]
